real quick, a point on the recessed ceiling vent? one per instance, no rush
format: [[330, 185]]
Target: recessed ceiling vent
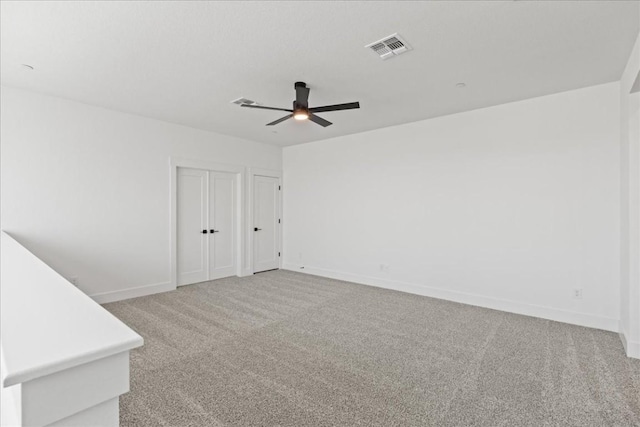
[[241, 101], [389, 46]]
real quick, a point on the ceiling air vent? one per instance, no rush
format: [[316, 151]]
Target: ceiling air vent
[[241, 101], [389, 46]]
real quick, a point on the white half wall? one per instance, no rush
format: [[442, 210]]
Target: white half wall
[[88, 189], [630, 205], [511, 207]]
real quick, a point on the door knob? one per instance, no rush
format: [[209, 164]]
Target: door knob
[[214, 231], [257, 229], [204, 231]]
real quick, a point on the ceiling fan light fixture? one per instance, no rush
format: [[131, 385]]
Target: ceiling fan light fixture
[[300, 115]]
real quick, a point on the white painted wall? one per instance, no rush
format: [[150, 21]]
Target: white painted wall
[[510, 207], [630, 206], [87, 189]]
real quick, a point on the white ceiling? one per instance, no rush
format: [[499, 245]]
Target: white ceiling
[[183, 62]]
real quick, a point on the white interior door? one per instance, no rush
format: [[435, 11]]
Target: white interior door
[[222, 225], [266, 208], [192, 221], [206, 225]]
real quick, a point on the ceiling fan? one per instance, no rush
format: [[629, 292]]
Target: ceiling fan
[[301, 110]]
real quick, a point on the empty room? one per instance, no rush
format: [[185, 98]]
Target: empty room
[[320, 213]]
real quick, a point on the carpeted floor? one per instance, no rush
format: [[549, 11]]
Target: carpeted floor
[[287, 349]]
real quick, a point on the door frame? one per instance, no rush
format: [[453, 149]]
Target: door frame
[[239, 171], [252, 173]]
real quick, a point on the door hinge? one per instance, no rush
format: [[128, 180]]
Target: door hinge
[[279, 188], [278, 253], [278, 220]]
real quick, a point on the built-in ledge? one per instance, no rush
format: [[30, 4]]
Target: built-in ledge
[[65, 359]]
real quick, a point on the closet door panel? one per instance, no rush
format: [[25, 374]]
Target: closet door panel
[[222, 219], [192, 244]]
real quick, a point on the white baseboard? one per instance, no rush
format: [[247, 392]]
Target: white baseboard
[[245, 273], [632, 348], [140, 291], [623, 338], [549, 313]]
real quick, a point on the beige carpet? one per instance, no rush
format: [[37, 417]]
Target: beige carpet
[[287, 349]]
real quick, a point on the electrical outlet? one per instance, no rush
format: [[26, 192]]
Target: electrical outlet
[[577, 293]]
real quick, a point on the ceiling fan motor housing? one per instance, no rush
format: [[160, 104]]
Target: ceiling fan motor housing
[[299, 107]]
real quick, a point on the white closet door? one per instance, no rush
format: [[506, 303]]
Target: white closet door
[[193, 243], [222, 214], [266, 208]]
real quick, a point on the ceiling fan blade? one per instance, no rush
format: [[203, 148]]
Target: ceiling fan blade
[[280, 120], [348, 106], [302, 96], [319, 120], [265, 108]]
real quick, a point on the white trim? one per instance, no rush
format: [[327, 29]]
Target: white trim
[[240, 171], [631, 348], [205, 164], [139, 291], [550, 313], [265, 172], [623, 338], [252, 173]]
